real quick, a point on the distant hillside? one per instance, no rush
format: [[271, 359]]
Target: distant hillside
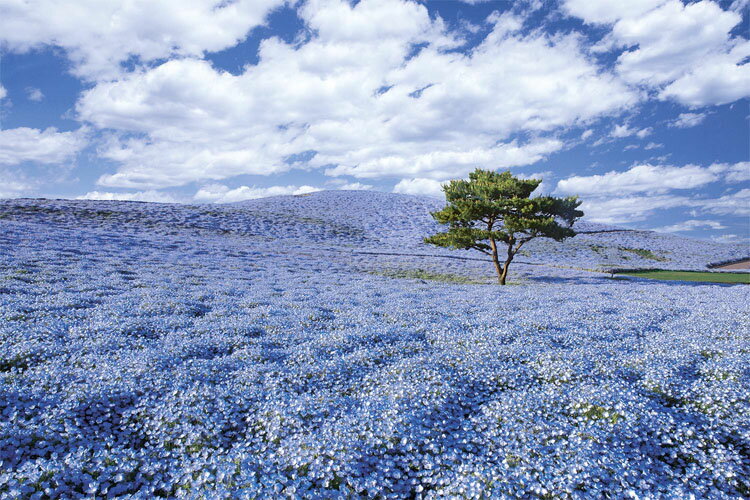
[[362, 222], [399, 222]]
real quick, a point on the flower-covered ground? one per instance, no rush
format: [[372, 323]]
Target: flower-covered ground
[[301, 347]]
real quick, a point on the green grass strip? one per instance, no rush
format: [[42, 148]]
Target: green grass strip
[[422, 274], [705, 277]]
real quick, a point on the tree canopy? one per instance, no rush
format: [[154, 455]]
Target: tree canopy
[[495, 207]]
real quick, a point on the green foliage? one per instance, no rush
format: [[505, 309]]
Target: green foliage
[[17, 362], [422, 274], [496, 207], [708, 277], [592, 412], [646, 254]]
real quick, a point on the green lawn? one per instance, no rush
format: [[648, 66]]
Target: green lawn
[[693, 276], [421, 274]]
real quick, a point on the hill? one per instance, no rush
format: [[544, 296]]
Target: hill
[[387, 228]]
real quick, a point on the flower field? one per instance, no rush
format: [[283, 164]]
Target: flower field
[[267, 349]]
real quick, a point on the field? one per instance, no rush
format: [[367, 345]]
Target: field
[[710, 277], [312, 347]]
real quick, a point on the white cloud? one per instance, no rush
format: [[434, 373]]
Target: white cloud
[[154, 163], [3, 92], [444, 164], [739, 172], [422, 187], [357, 96], [218, 193], [586, 134], [602, 11], [633, 195], [718, 80], [644, 132], [684, 50], [639, 179], [732, 238], [99, 35], [628, 208], [434, 188], [338, 21], [14, 184], [48, 146], [653, 145], [686, 120], [735, 204], [736, 172], [672, 39], [34, 94], [620, 131], [691, 225], [659, 159], [152, 196], [350, 186], [355, 186], [545, 187]]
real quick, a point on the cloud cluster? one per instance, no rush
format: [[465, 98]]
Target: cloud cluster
[[100, 35], [344, 185], [421, 187], [47, 146], [687, 120], [150, 196], [639, 179], [624, 209], [620, 131], [733, 204], [733, 172], [633, 195], [434, 188], [691, 225], [685, 51], [218, 193], [13, 184], [370, 99]]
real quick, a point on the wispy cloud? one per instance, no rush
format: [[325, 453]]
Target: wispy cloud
[[34, 94], [691, 225], [639, 179], [218, 193], [687, 120], [151, 196]]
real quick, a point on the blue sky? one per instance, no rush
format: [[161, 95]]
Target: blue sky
[[639, 107]]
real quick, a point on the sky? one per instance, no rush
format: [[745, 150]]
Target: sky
[[640, 107]]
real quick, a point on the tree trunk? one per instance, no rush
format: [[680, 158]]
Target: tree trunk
[[505, 269], [511, 254], [500, 271]]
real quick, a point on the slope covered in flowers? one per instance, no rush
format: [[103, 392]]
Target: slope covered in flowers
[[399, 222], [256, 350]]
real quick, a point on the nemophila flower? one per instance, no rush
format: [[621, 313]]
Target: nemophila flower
[[245, 351]]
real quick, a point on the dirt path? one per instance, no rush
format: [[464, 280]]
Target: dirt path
[[742, 264]]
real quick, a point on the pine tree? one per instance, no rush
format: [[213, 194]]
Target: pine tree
[[495, 207]]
